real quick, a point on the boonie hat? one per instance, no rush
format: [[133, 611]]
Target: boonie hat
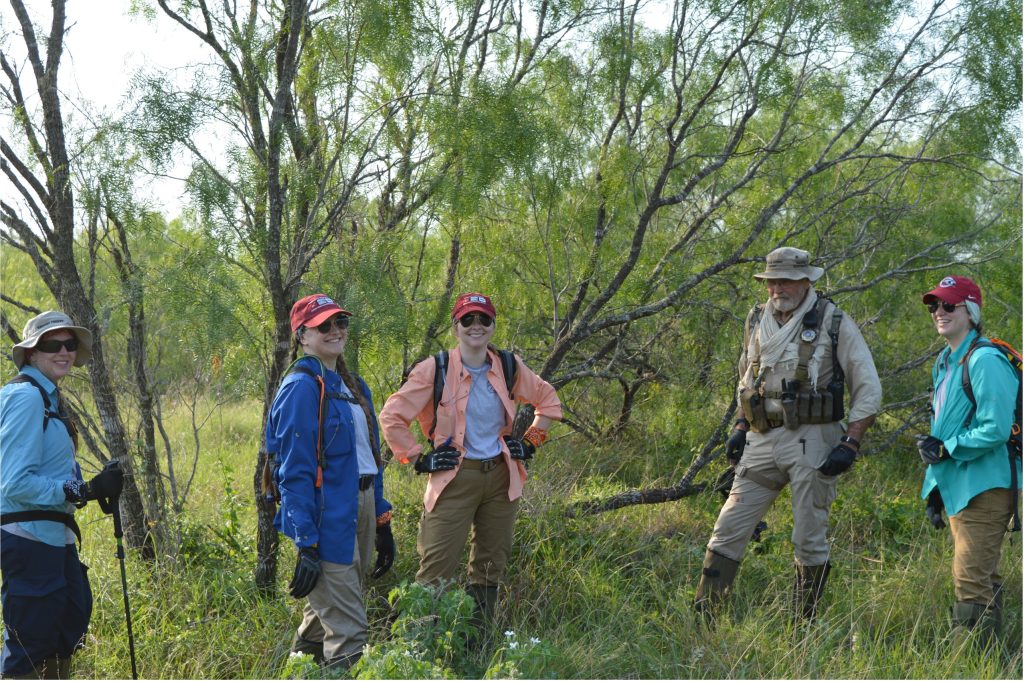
[[472, 302], [41, 325], [314, 310], [790, 263], [954, 290]]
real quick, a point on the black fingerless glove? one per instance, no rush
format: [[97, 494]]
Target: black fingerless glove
[[442, 459], [520, 450], [931, 449], [106, 485]]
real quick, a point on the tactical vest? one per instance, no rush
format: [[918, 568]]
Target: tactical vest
[[801, 403]]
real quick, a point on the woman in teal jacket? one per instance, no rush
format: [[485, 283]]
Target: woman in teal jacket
[[331, 484], [970, 470]]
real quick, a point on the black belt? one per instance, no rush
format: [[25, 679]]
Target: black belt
[[365, 481], [55, 516]]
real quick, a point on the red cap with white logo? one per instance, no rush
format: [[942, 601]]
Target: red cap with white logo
[[315, 310], [472, 302], [954, 290]]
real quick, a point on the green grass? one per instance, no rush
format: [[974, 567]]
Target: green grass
[[610, 596]]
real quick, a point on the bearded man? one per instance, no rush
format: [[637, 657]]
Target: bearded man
[[799, 353]]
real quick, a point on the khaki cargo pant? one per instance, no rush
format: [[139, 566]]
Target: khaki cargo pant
[[977, 543], [476, 499], [334, 612], [771, 461]]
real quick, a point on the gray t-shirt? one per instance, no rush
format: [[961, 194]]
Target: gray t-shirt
[[364, 454], [484, 416]]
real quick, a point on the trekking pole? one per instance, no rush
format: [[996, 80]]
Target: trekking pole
[[112, 507]]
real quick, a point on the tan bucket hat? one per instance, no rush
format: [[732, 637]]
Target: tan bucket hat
[[790, 263], [52, 320]]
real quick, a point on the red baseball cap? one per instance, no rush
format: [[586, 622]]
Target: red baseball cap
[[473, 302], [954, 290], [315, 310]]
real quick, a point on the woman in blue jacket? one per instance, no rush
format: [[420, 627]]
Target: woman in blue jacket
[[970, 471], [331, 484], [46, 598]]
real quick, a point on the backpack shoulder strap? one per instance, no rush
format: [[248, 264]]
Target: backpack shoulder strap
[[321, 417], [48, 410], [753, 320], [509, 369], [440, 371], [811, 324], [965, 375]]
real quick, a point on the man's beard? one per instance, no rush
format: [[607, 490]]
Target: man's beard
[[787, 304]]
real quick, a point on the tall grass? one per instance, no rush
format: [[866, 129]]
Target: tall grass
[[611, 595]]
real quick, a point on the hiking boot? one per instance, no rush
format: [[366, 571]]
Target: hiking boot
[[716, 578], [304, 645], [808, 589]]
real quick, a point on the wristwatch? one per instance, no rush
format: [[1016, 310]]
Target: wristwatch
[[846, 439]]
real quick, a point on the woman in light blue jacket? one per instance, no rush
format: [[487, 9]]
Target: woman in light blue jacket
[[46, 597], [971, 473]]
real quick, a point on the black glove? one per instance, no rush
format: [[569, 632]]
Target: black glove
[[931, 449], [443, 459], [307, 572], [933, 509], [734, 445], [521, 450], [106, 485], [839, 460], [385, 543]]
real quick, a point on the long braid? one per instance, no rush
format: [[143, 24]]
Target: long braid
[[353, 385]]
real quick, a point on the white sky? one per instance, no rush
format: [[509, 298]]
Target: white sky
[[104, 47]]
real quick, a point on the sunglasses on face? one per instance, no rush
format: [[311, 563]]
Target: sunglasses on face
[[468, 320], [933, 306], [52, 347], [341, 322]]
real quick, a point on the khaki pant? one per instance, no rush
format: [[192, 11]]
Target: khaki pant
[[770, 461], [334, 612], [476, 499], [977, 542]]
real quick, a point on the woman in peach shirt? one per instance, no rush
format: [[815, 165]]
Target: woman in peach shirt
[[475, 468]]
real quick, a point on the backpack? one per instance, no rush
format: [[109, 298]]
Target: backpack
[[509, 369], [271, 494], [1013, 443]]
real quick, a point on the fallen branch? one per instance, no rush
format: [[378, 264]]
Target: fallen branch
[[660, 495]]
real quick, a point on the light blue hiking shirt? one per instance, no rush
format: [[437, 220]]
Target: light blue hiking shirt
[[34, 464]]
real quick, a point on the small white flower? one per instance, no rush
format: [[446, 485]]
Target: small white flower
[[534, 640], [295, 653], [513, 645], [510, 634]]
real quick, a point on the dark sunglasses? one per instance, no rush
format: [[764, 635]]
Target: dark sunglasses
[[933, 306], [340, 321], [467, 321], [52, 347]]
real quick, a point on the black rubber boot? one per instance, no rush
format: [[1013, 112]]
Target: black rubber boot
[[970, 617], [716, 578], [314, 648], [486, 600], [341, 664], [808, 589]]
